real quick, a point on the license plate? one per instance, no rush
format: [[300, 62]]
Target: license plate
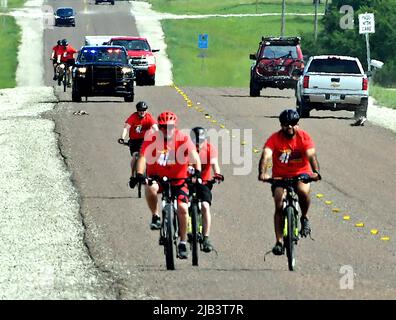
[[335, 97], [103, 83]]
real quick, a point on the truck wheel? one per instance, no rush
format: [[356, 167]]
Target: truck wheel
[[361, 110], [254, 89], [75, 96], [129, 98], [303, 109]]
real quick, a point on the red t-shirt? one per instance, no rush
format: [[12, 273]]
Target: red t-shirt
[[167, 158], [206, 154], [289, 158], [68, 53], [57, 50], [139, 126]]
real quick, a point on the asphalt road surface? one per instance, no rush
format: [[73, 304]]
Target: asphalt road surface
[[357, 164]]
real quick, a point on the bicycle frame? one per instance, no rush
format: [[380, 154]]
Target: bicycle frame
[[291, 210]]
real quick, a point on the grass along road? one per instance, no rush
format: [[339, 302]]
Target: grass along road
[[232, 6]]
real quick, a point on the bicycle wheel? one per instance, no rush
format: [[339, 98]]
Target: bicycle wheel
[[194, 232], [289, 238], [64, 82], [169, 234], [139, 190]]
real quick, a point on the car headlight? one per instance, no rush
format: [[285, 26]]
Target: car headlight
[[126, 70], [82, 69], [71, 17], [56, 17], [150, 59]]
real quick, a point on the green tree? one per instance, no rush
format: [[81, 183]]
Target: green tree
[[335, 40]]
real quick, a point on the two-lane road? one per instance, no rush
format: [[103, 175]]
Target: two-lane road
[[357, 166]]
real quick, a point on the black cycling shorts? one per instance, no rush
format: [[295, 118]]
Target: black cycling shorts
[[135, 145], [281, 184], [70, 62], [204, 193]]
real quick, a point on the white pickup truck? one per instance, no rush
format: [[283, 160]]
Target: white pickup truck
[[332, 83]]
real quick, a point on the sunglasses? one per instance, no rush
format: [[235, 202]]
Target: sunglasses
[[164, 126], [292, 123]]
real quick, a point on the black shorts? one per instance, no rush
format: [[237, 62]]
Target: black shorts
[[281, 184], [204, 193], [135, 145], [70, 63]]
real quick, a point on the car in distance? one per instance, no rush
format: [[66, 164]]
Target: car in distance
[[65, 16], [109, 1], [103, 71], [141, 57], [332, 82], [274, 62]]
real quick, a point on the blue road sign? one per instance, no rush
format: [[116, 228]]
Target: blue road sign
[[203, 41]]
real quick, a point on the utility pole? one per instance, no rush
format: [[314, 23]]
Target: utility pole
[[283, 18], [316, 20]]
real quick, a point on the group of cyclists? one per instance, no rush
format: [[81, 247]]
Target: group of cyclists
[[62, 56], [161, 149]]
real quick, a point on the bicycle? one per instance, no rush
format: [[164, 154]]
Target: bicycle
[[194, 229], [291, 210], [139, 185], [62, 79], [170, 223]]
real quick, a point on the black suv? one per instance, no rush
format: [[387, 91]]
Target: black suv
[[103, 71], [275, 61], [65, 16]]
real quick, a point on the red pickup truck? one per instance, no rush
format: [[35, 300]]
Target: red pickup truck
[[141, 57]]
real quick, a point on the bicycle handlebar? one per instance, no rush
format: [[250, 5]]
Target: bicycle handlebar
[[122, 141], [303, 178]]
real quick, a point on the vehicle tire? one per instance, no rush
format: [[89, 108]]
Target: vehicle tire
[[194, 232], [169, 230], [361, 110], [303, 109], [129, 98], [151, 81], [112, 3], [289, 239], [96, 2], [254, 89], [75, 96]]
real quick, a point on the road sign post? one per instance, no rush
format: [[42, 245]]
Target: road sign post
[[203, 44], [367, 26]]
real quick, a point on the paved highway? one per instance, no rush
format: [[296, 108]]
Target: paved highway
[[357, 165]]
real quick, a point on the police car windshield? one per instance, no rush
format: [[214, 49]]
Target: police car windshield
[[103, 55], [132, 44]]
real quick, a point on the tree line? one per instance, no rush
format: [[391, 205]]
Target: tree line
[[340, 35]]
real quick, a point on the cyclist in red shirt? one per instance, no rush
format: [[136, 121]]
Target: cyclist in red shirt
[[208, 156], [66, 56], [168, 152], [56, 50], [136, 126], [292, 153]]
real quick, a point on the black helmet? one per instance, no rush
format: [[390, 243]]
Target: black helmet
[[289, 116], [64, 42], [198, 135], [59, 42], [141, 106]]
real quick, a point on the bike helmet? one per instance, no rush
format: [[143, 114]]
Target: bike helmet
[[141, 106], [59, 42], [198, 135], [167, 118], [289, 116], [64, 42]]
